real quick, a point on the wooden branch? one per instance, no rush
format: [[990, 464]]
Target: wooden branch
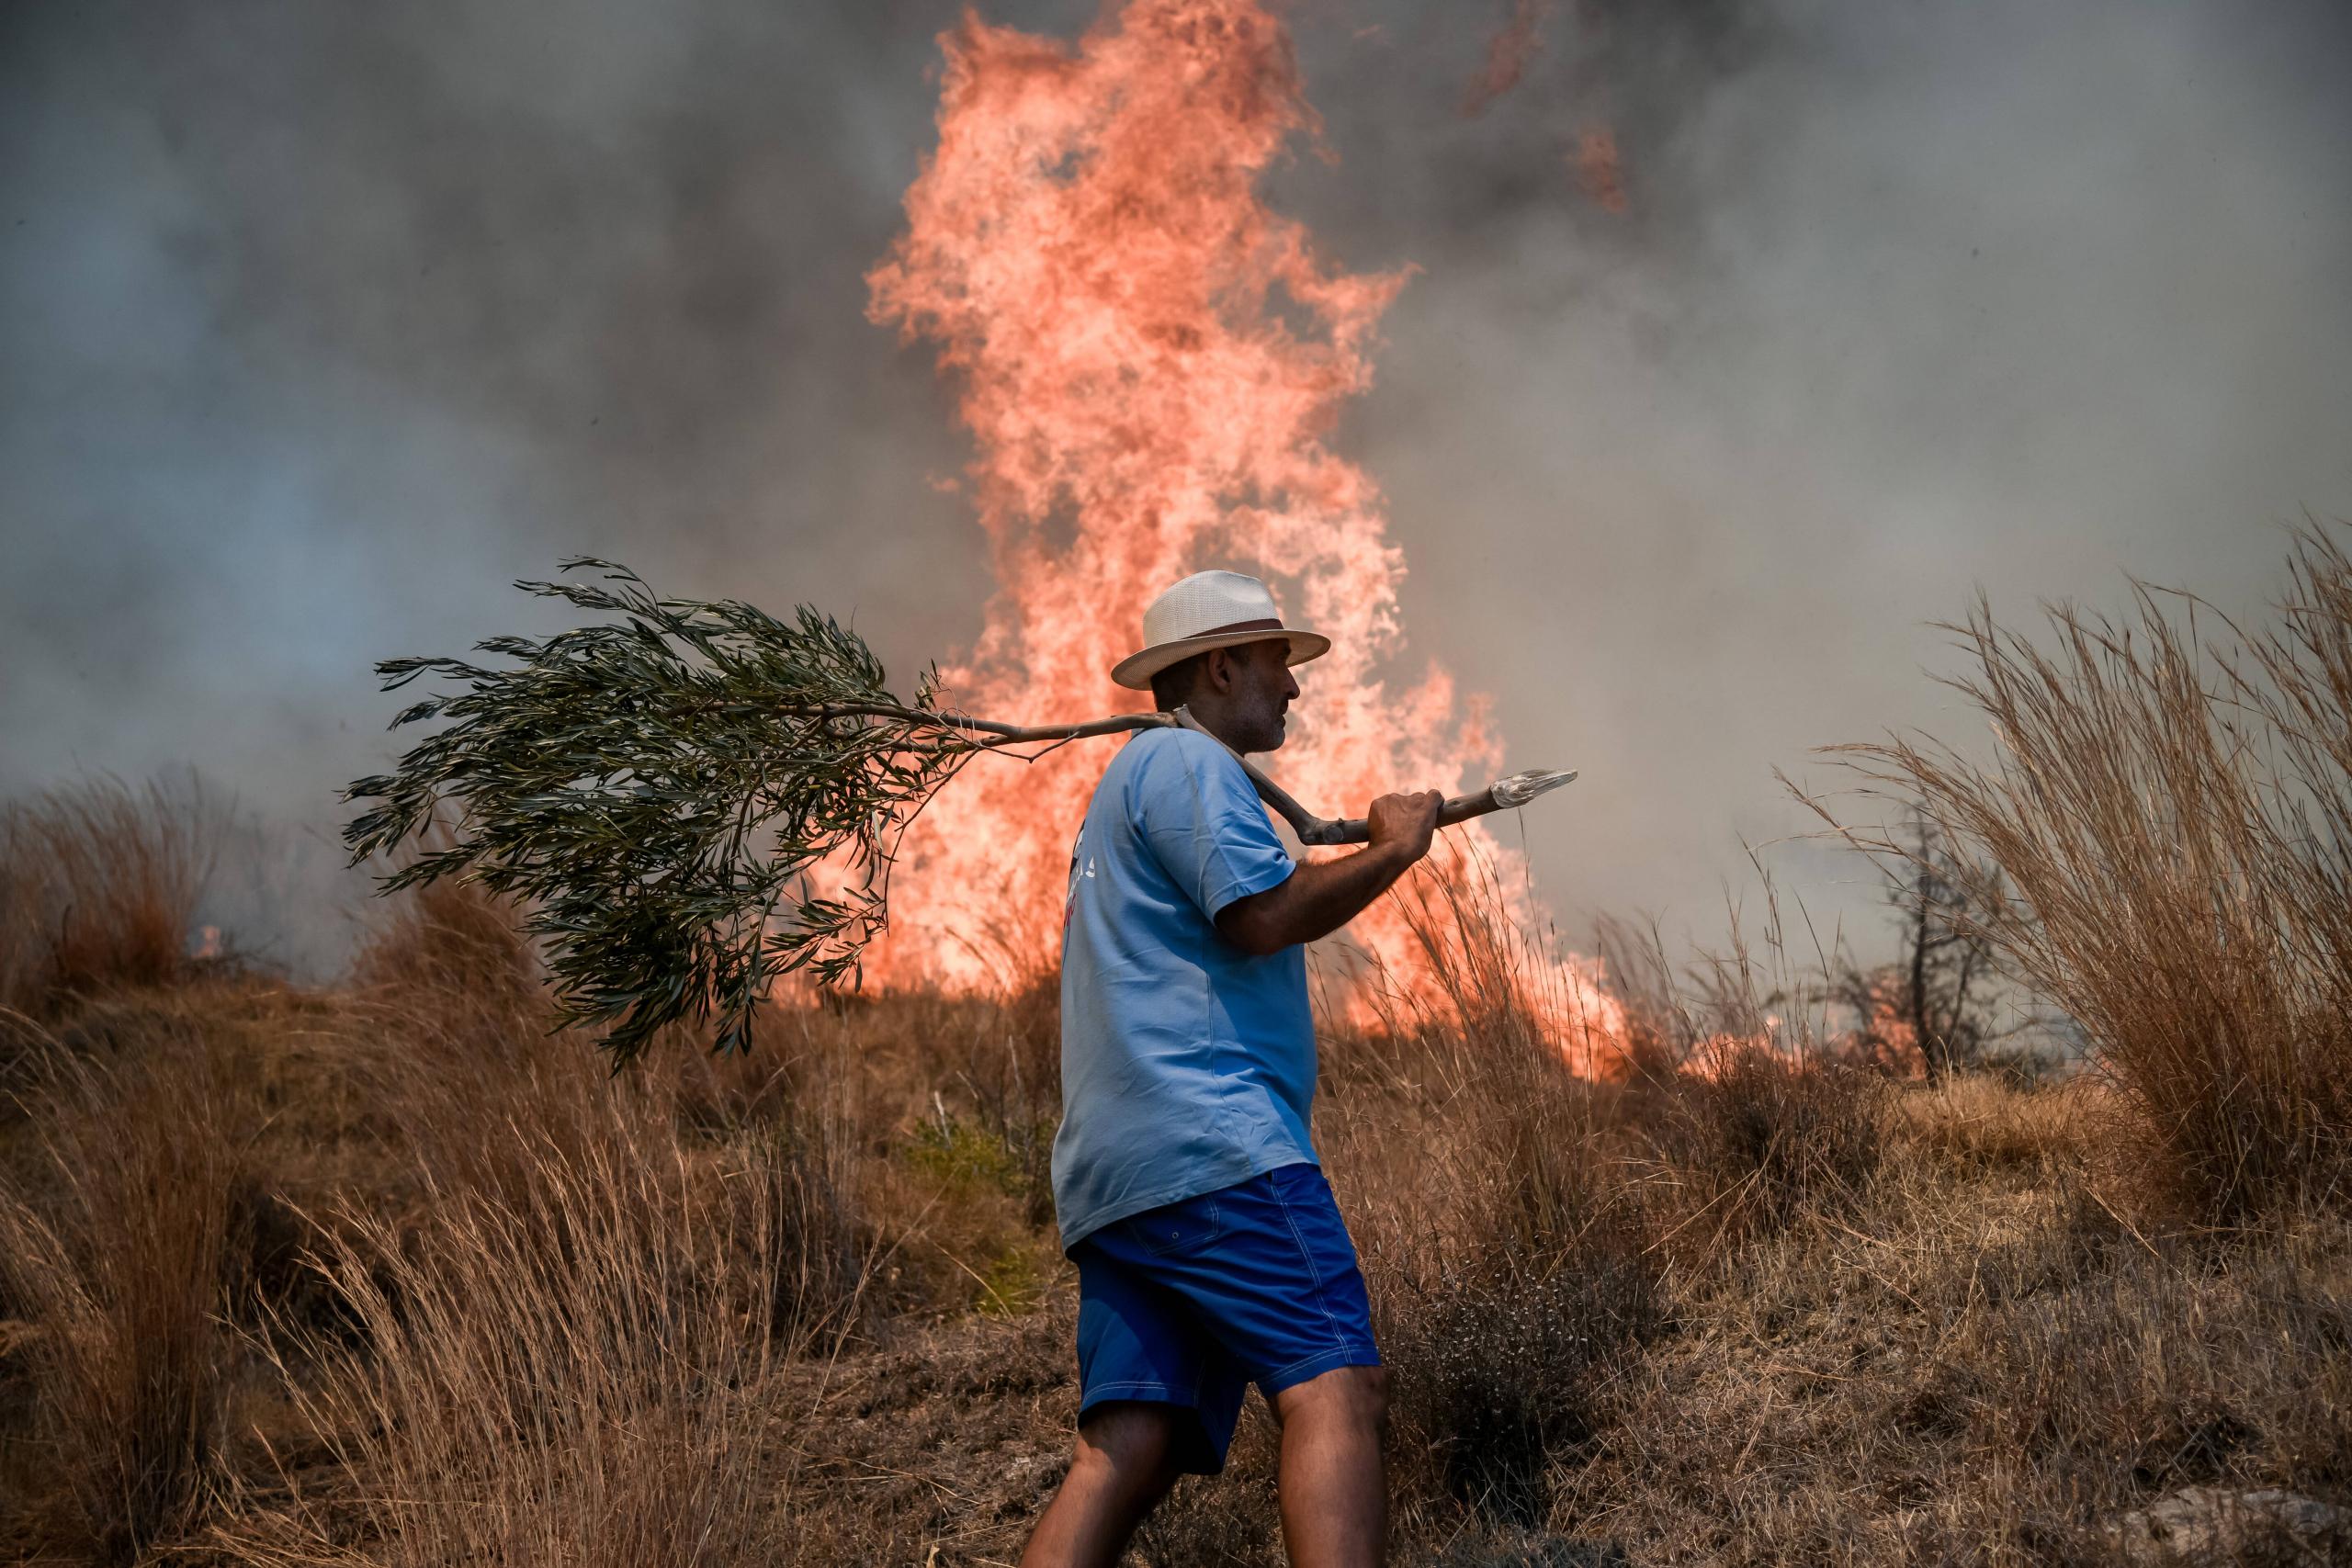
[[986, 735]]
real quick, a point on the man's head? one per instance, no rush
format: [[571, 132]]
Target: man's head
[[1239, 693], [1215, 645]]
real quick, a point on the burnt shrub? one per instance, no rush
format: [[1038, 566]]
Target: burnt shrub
[[1500, 1361]]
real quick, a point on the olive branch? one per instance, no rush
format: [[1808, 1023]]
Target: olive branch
[[655, 791]]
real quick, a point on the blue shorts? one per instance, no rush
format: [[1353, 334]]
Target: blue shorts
[[1190, 1303]]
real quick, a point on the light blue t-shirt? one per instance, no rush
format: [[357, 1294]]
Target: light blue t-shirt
[[1187, 1064]]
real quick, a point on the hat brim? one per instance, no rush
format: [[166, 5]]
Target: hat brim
[[1135, 671]]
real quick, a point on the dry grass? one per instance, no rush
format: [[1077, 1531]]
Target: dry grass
[[1983, 1127], [561, 1374], [389, 1272], [120, 1240], [1978, 1372], [1761, 1139], [1494, 1199], [98, 885], [2171, 805]]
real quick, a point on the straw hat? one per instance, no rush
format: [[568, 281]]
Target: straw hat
[[1211, 609]]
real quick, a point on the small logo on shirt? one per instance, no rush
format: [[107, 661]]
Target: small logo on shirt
[[1076, 872]]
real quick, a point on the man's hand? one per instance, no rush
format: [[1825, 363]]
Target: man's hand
[[1402, 825], [1321, 896]]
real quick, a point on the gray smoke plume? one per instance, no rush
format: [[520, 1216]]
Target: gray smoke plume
[[324, 322]]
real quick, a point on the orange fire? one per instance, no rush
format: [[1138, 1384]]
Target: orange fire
[[1883, 1035], [1599, 173], [1151, 362], [1507, 54]]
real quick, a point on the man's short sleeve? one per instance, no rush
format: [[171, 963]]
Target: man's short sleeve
[[1196, 809]]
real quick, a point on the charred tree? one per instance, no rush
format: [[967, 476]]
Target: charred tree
[[1935, 997]]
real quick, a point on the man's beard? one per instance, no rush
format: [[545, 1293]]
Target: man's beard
[[1265, 730]]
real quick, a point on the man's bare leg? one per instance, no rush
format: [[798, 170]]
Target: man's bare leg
[[1123, 1468], [1334, 1493]]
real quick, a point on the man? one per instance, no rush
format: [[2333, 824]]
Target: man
[[1210, 1254]]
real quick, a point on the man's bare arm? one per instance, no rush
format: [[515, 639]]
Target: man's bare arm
[[1320, 897]]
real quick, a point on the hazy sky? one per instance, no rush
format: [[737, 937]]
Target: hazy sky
[[323, 321]]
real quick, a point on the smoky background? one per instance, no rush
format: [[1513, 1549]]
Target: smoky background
[[325, 321]]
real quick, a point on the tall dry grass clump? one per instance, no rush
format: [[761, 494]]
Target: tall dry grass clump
[[98, 885], [570, 1374], [452, 941], [551, 1328], [121, 1242], [453, 1049], [456, 1056], [2171, 811]]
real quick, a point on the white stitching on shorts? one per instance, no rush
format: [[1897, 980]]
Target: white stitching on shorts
[[1339, 1335]]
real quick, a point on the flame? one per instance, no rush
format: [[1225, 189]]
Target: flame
[[1879, 1038], [1507, 54], [1883, 1036], [1600, 172], [1150, 362]]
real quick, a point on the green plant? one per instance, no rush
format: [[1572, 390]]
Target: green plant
[[956, 1153]]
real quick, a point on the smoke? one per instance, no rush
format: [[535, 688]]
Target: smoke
[[323, 322], [1904, 300]]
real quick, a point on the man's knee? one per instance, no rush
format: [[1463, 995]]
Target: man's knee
[[1356, 1395], [1129, 1446], [1367, 1392]]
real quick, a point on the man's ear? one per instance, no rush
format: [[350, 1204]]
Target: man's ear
[[1218, 671]]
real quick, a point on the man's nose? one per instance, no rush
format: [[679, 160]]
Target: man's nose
[[1290, 684]]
